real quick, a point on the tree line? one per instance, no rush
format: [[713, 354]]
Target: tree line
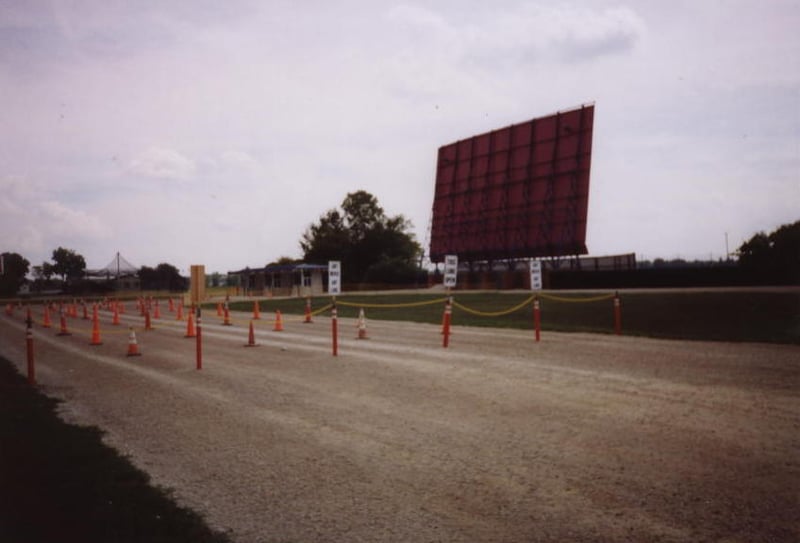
[[373, 248], [67, 273]]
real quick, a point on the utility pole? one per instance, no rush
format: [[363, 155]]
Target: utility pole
[[727, 252]]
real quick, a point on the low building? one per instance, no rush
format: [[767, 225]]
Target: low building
[[282, 280]]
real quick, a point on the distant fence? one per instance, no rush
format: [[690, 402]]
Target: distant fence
[[722, 276]]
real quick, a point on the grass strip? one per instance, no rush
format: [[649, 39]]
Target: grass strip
[[742, 316], [59, 482]]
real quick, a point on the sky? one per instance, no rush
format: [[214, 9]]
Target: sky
[[215, 133]]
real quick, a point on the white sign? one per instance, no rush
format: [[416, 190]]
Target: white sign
[[536, 275], [334, 277], [450, 270]]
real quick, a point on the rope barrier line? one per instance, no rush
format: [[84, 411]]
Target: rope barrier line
[[476, 312], [553, 298], [320, 311], [493, 313], [392, 306]]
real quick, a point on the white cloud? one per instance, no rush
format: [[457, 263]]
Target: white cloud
[[240, 162], [163, 163], [72, 222], [33, 222], [273, 113]]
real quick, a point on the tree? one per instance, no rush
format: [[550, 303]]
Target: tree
[[362, 214], [43, 272], [326, 240], [15, 268], [775, 257], [371, 246], [68, 264], [285, 260], [162, 277], [214, 279]]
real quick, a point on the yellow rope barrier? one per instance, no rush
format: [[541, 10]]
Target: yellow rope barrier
[[392, 306], [576, 300], [323, 310], [493, 313]]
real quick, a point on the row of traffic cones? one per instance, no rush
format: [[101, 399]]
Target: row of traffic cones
[[133, 346]]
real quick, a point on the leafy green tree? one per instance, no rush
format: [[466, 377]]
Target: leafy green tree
[[68, 264], [162, 277], [15, 268], [371, 246], [214, 279], [285, 260], [326, 240], [43, 272], [775, 257]]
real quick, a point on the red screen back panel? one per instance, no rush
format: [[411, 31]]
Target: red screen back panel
[[516, 192]]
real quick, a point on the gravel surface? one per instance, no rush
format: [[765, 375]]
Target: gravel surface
[[497, 438]]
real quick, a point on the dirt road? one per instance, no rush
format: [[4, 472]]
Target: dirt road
[[577, 438]]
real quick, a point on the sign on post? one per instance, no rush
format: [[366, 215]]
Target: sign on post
[[450, 270], [334, 277], [536, 274]]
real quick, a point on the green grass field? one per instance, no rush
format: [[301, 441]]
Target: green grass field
[[726, 315]]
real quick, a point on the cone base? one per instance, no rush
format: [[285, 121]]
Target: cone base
[[134, 354]]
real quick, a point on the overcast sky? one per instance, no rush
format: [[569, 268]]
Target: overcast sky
[[208, 132]]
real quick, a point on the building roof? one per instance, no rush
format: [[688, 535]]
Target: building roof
[[282, 268]]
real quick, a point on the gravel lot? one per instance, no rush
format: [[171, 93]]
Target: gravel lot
[[497, 438]]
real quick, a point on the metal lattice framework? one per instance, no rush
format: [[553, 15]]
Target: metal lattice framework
[[517, 192], [116, 268]]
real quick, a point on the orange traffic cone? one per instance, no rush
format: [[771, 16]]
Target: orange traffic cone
[[251, 338], [179, 317], [190, 331], [156, 311], [256, 310], [148, 325], [361, 325], [227, 321], [278, 321], [133, 346], [46, 319], [85, 312], [307, 320], [171, 305], [115, 318], [95, 329], [219, 309], [63, 331]]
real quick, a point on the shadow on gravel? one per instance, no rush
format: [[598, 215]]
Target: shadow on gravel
[[59, 482]]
